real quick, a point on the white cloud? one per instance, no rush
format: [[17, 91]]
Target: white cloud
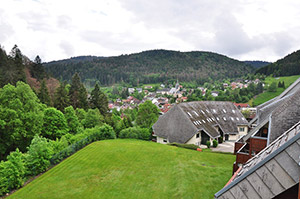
[[243, 29]]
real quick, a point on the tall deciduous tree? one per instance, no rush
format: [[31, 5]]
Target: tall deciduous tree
[[43, 94], [55, 124], [147, 114], [72, 120], [99, 100], [20, 117]]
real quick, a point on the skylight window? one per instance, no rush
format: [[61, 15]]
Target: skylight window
[[243, 118], [199, 122], [224, 118], [189, 114], [196, 113], [207, 110], [218, 119], [208, 119], [214, 110], [203, 121], [232, 118], [202, 112], [237, 119], [233, 111], [224, 110], [213, 119]]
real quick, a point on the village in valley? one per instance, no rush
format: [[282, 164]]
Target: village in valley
[[149, 99], [164, 97]]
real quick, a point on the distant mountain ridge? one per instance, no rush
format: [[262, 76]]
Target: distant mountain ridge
[[152, 66], [288, 66]]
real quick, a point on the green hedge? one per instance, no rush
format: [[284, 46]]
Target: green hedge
[[186, 146], [135, 133], [92, 135]]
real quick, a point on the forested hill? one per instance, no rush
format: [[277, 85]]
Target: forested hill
[[289, 65], [150, 67], [257, 64]]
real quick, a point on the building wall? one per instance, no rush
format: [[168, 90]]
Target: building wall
[[243, 130], [257, 144], [162, 140], [194, 140]]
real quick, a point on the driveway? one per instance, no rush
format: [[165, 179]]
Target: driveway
[[225, 147]]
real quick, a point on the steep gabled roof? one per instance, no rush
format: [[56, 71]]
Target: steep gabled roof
[[269, 173], [175, 126], [185, 119]]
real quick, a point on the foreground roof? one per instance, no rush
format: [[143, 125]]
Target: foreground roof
[[269, 173]]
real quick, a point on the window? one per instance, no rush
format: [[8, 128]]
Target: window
[[218, 119], [243, 118], [214, 110], [213, 119], [232, 118], [242, 129], [237, 119], [197, 135], [203, 121], [207, 110], [189, 114], [196, 113], [224, 118], [203, 112], [233, 111], [199, 122], [224, 110], [165, 140]]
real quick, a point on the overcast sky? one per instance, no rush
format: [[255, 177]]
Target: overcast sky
[[242, 29]]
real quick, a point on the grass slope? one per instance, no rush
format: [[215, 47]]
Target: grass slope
[[263, 97], [133, 169]]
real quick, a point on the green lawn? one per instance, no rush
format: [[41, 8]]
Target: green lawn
[[133, 169], [263, 97]]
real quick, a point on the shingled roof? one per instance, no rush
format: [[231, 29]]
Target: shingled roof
[[278, 111], [271, 172], [184, 120]]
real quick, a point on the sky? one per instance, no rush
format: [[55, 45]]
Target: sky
[[242, 29]]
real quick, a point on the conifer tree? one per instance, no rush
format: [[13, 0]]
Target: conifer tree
[[99, 100], [37, 70], [43, 94], [61, 98], [78, 93]]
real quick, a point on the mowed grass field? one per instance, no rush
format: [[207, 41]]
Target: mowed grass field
[[133, 169]]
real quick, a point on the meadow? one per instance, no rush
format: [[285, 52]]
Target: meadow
[[133, 169]]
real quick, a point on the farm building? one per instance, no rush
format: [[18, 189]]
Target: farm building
[[199, 122], [272, 119], [272, 173]]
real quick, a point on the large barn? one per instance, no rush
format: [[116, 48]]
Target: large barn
[[199, 122]]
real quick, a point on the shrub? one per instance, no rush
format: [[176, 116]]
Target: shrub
[[38, 156], [186, 146], [135, 133], [12, 172], [215, 143], [220, 139], [208, 144]]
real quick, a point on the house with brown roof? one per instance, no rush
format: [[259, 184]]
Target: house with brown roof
[[199, 122]]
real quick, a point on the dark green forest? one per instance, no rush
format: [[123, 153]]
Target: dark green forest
[[153, 66], [288, 66]]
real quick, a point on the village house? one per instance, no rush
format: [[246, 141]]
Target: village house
[[199, 122], [131, 90], [273, 118], [163, 91], [139, 90], [215, 93]]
